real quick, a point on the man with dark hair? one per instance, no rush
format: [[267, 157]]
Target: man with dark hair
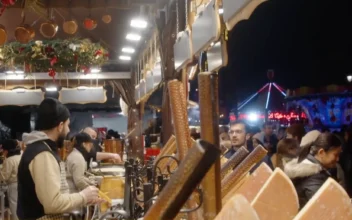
[[239, 134], [270, 139], [41, 178], [95, 154]]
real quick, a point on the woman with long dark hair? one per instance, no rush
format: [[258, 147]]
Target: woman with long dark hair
[[76, 163], [309, 172], [8, 174]]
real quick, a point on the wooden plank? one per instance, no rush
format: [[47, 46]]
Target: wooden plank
[[330, 202], [278, 189], [120, 4]]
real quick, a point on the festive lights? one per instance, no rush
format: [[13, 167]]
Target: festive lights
[[272, 116], [289, 116]]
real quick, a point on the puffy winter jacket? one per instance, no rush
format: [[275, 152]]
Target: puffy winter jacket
[[307, 176]]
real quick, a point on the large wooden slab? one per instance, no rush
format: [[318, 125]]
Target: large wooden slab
[[250, 188], [330, 202], [239, 208], [231, 180], [277, 199]]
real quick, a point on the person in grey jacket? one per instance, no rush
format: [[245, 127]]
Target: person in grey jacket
[[76, 163], [312, 168]]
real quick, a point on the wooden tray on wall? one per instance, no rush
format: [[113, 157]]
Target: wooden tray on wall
[[217, 56], [206, 28], [183, 50], [235, 11]]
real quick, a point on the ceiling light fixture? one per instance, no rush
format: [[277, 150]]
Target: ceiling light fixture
[[133, 37], [14, 72], [95, 70], [51, 89], [128, 50], [19, 90], [125, 58], [139, 23]]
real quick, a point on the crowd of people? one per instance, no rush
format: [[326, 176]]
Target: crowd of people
[[40, 185], [308, 158]]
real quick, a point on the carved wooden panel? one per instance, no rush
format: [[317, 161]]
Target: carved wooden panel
[[206, 28], [142, 89], [235, 11], [21, 97], [136, 93], [217, 56], [149, 81], [82, 95], [183, 50]]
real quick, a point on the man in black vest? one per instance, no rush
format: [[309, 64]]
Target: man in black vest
[[40, 179]]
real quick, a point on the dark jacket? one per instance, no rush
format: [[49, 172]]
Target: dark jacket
[[28, 205], [42, 182], [307, 177]]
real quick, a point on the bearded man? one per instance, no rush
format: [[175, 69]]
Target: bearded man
[[41, 179]]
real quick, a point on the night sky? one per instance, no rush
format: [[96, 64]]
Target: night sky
[[306, 42]]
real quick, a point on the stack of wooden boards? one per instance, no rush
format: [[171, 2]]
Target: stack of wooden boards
[[270, 195]]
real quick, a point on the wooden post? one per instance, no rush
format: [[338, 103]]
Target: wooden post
[[168, 37]]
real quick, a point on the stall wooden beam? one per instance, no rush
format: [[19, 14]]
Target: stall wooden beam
[[31, 84], [120, 4]]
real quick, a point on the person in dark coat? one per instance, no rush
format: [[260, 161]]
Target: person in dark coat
[[258, 140], [309, 172]]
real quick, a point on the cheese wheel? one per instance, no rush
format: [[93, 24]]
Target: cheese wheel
[[237, 208], [254, 183], [277, 199], [330, 202]]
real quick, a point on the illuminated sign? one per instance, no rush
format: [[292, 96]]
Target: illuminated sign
[[288, 116], [271, 116]]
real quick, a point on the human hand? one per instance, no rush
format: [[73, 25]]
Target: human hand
[[116, 158], [97, 201], [90, 194]]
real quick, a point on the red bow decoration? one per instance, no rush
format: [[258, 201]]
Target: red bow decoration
[[53, 61], [52, 73], [86, 70], [98, 52], [5, 4], [49, 50], [27, 68]]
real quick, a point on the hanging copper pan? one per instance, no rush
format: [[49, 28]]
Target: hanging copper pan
[[106, 18], [48, 29], [70, 27], [3, 35], [90, 24], [24, 33]]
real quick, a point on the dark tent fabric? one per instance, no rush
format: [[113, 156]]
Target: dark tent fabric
[[155, 100]]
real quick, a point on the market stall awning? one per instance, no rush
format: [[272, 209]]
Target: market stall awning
[[155, 100]]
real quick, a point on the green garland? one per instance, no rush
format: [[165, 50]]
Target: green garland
[[70, 55]]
